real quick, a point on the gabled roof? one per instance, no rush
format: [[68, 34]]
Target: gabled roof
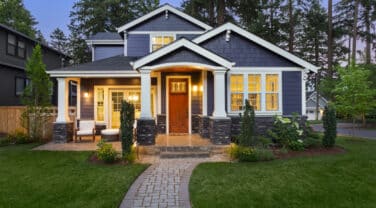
[[257, 40], [105, 36], [182, 43], [159, 10]]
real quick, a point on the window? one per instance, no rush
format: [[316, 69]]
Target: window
[[159, 41], [236, 88], [21, 83], [16, 46], [272, 92], [72, 93], [100, 104], [254, 91], [261, 89]]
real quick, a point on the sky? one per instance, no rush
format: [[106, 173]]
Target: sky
[[52, 14]]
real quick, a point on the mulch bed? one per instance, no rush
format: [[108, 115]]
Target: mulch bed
[[93, 159], [315, 151]]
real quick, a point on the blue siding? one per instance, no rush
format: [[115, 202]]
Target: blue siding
[[138, 45], [172, 23], [245, 52], [101, 52], [291, 92], [183, 55], [186, 36]]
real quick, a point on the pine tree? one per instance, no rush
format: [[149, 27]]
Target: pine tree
[[59, 41], [126, 127], [330, 126], [247, 131]]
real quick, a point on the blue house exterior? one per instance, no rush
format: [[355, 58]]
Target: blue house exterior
[[183, 77]]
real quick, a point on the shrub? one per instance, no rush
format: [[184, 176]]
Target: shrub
[[265, 142], [311, 142], [330, 126], [4, 141], [126, 127], [18, 136], [285, 131], [131, 156], [296, 145], [233, 151], [250, 154], [247, 129], [106, 152]]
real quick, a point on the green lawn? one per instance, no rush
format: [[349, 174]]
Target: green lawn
[[60, 179], [347, 180]]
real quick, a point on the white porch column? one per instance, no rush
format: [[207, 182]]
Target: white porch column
[[78, 106], [62, 101], [204, 93], [145, 94], [219, 94]]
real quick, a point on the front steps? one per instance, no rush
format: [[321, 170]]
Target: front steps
[[183, 151]]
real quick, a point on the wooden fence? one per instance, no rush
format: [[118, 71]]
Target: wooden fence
[[10, 119]]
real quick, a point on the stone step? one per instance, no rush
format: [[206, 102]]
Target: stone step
[[201, 154], [184, 148]]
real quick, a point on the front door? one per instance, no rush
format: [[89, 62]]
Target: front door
[[178, 106]]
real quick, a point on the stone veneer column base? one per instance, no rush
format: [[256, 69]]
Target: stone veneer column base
[[203, 126], [220, 130], [146, 131], [161, 123], [62, 132]]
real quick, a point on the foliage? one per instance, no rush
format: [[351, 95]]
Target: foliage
[[19, 136], [286, 131], [296, 145], [250, 154], [311, 142], [354, 92], [106, 152], [59, 41], [14, 14], [126, 127], [131, 156], [37, 95], [247, 130], [78, 49], [330, 126], [4, 141]]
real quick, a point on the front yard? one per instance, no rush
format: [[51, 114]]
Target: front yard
[[345, 180], [60, 179]]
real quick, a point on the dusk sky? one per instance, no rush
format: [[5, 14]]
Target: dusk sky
[[52, 14]]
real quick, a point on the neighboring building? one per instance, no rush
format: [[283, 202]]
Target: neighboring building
[[183, 77], [15, 49], [311, 106]]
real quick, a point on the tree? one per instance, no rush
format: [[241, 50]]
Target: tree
[[247, 129], [14, 14], [59, 41], [37, 94], [330, 39], [330, 126], [126, 127], [367, 18], [354, 94], [355, 32], [78, 49]]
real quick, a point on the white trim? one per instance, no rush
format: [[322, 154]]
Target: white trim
[[159, 93], [178, 44], [160, 10], [88, 74], [303, 94], [62, 100], [189, 102], [125, 46], [263, 69], [263, 92], [204, 93], [257, 40], [179, 64], [104, 42], [163, 34], [172, 32], [92, 53], [219, 110]]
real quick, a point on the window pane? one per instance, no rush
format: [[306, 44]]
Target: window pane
[[272, 82], [236, 101], [11, 49], [168, 39], [11, 39], [156, 47], [254, 99], [272, 101], [21, 52], [236, 83], [158, 40], [100, 106], [254, 83], [20, 86]]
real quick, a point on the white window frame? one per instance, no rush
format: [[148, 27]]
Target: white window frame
[[263, 74], [159, 34]]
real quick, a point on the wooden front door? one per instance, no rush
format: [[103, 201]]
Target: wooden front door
[[178, 105]]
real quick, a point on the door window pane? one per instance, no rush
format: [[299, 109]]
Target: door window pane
[[100, 104]]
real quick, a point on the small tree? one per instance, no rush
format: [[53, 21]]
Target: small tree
[[247, 131], [37, 95], [126, 127], [330, 126]]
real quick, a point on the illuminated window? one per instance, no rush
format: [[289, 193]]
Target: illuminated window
[[254, 91], [160, 40], [100, 104], [271, 92], [236, 88]]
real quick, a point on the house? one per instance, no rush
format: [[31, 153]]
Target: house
[[311, 106], [15, 48], [184, 77]]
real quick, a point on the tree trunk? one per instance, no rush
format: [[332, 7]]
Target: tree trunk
[[221, 12], [291, 27], [211, 13], [330, 40], [355, 30], [367, 22]]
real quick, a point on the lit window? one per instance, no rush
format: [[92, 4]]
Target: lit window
[[272, 92], [236, 92], [254, 91], [160, 41]]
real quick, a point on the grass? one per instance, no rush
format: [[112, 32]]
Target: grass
[[346, 180], [60, 179]]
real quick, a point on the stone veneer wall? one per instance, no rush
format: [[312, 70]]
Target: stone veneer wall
[[146, 131], [195, 120], [220, 130], [203, 126], [62, 132], [161, 123]]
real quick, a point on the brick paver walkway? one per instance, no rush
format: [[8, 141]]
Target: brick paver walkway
[[164, 184]]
